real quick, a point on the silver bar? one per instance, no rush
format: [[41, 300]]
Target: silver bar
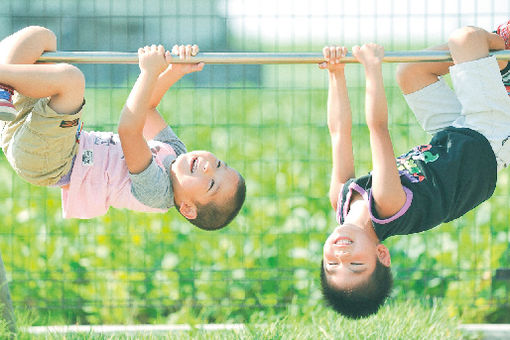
[[249, 58]]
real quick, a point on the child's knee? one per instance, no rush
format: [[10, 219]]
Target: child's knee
[[74, 78], [73, 74], [467, 35], [42, 34], [408, 73]]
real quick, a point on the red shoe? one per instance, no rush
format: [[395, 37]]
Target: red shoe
[[503, 31], [7, 110]]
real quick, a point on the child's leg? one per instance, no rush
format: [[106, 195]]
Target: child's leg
[[64, 83], [412, 77], [40, 140], [431, 100], [477, 81], [471, 43], [26, 45]]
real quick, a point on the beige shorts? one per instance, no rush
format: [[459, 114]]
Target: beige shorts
[[39, 144], [479, 101]]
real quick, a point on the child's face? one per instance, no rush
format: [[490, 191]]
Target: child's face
[[200, 177], [349, 256]]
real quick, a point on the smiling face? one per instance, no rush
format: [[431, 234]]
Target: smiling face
[[350, 255], [200, 177]]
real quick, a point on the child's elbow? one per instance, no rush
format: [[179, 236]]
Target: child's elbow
[[121, 129]]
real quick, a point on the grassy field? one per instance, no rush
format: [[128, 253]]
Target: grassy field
[[410, 320], [142, 268]]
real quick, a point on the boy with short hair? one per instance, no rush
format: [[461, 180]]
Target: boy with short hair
[[429, 185], [144, 168]]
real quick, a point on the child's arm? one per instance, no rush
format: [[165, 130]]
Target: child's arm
[[387, 190], [152, 62], [140, 119], [339, 122], [154, 122]]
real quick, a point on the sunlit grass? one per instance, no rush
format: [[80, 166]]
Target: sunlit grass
[[411, 320]]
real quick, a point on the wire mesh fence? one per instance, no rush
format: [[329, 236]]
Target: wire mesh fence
[[267, 121]]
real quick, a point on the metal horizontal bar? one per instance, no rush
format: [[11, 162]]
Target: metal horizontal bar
[[249, 58]]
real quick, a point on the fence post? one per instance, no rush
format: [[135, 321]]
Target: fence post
[[7, 312]]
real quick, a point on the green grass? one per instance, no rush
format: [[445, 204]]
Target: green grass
[[411, 320]]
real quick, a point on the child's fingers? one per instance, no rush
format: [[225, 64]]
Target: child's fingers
[[341, 51], [144, 50], [185, 51], [332, 55], [168, 56], [323, 65], [191, 51], [355, 50], [194, 50], [325, 52], [198, 67], [195, 67], [338, 54], [188, 51]]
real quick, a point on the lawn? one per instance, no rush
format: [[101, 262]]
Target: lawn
[[411, 320]]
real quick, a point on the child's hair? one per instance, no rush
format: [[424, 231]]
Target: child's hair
[[362, 300], [213, 217]]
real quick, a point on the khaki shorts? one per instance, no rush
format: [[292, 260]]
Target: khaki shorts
[[39, 144], [479, 101]]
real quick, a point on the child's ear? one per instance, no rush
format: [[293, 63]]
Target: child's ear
[[383, 253], [188, 210]]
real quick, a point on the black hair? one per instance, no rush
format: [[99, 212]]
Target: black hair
[[211, 216], [363, 300]]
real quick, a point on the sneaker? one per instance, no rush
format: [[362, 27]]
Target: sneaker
[[503, 31], [7, 110]]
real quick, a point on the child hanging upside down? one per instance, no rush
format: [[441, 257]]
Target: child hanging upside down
[[145, 167], [431, 184]]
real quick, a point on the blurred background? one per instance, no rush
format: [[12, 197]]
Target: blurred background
[[269, 122]]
